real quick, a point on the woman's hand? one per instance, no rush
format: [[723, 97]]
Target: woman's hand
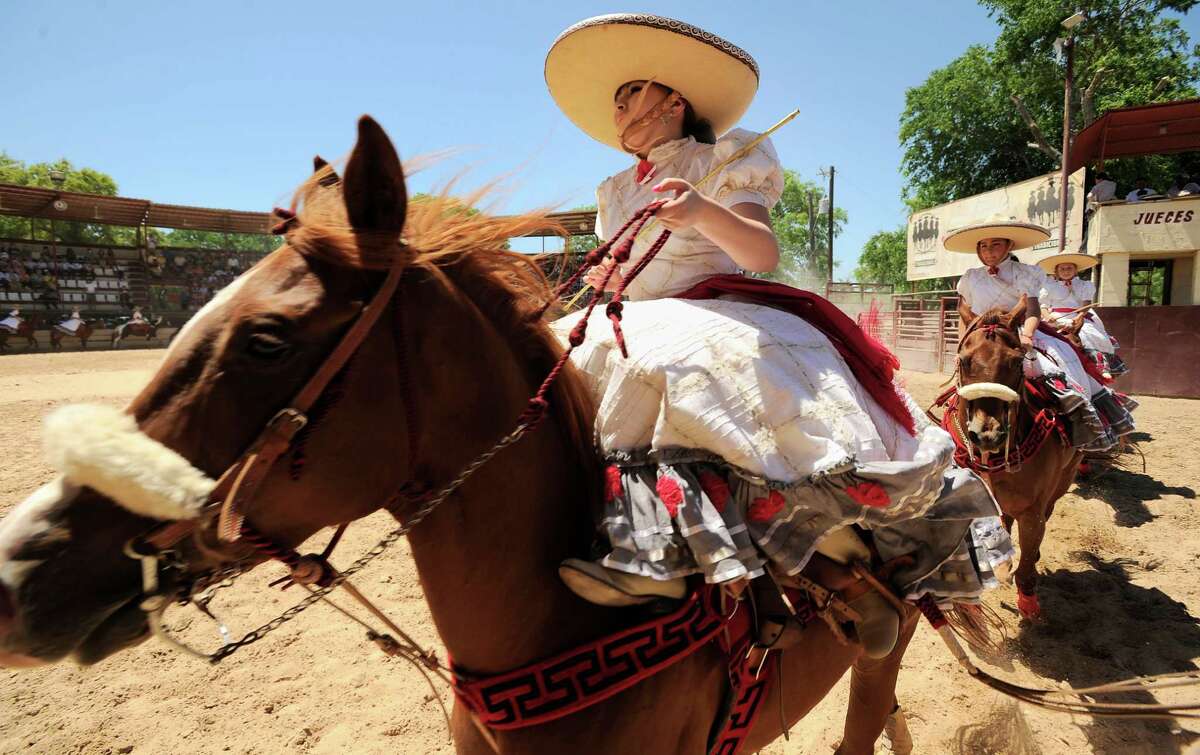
[[1026, 341], [595, 276], [743, 231], [688, 208]]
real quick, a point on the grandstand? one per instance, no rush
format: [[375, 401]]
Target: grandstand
[[45, 275]]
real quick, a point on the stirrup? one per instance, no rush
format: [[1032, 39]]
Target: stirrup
[[609, 587]]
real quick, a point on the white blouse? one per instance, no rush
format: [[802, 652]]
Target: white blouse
[[688, 257], [1058, 295], [982, 291]]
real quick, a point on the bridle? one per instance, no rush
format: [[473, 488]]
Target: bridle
[[973, 391], [237, 487]]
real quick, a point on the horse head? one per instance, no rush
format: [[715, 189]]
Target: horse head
[[990, 374], [384, 424], [66, 588]]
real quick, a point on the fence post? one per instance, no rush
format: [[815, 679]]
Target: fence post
[[941, 337]]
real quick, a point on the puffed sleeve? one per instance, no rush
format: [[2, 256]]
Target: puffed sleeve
[[1029, 280], [1085, 290], [964, 286], [603, 203], [756, 177]]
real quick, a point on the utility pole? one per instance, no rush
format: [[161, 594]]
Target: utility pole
[[812, 226], [832, 171], [1066, 145], [828, 208], [1068, 85]]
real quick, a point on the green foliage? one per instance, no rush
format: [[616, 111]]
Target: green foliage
[[187, 238], [83, 180], [884, 260], [89, 181], [961, 132], [803, 253]]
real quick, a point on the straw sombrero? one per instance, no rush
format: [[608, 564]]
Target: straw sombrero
[[592, 59], [1023, 235], [1081, 261]]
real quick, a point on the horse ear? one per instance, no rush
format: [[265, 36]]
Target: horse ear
[[1016, 315], [373, 187], [965, 315], [331, 177]]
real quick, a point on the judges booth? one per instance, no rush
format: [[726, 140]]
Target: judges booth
[[1148, 279]]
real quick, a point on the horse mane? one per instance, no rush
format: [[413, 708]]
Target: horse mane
[[447, 235]]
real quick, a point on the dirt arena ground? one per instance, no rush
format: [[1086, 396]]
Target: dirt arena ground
[[1120, 589]]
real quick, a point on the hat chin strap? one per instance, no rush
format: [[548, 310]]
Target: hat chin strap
[[650, 115]]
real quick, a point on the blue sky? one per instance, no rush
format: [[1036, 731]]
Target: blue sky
[[222, 103]]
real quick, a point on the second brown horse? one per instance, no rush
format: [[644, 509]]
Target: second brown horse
[[990, 351]]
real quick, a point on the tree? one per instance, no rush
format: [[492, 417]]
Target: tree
[[884, 259], [192, 239], [803, 233], [89, 181], [83, 180], [969, 126]]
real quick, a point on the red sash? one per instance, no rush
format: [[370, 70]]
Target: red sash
[[870, 361]]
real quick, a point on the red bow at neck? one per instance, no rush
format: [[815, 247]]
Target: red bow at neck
[[1067, 283], [645, 170], [993, 269]]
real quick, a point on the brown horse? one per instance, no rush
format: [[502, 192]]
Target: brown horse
[[990, 353], [444, 373], [135, 328], [24, 330], [83, 332]]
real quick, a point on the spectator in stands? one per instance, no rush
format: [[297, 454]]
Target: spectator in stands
[[1104, 190], [1142, 191], [1177, 185], [1191, 188]]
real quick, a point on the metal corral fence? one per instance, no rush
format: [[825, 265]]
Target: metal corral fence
[[920, 328]]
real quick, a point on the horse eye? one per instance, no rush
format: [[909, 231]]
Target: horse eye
[[266, 346]]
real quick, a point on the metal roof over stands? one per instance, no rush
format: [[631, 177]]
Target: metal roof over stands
[[1157, 129], [36, 202]]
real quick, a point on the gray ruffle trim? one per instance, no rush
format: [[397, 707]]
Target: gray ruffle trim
[[685, 512]]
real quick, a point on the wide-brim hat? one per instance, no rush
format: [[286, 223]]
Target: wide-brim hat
[[1022, 235], [592, 59], [1081, 261]]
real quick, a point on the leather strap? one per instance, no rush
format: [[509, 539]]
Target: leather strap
[[240, 482]]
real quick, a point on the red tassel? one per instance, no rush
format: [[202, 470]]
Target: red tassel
[[613, 310]]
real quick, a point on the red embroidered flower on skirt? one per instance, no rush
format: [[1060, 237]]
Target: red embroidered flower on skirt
[[612, 483], [763, 509], [715, 488], [670, 494], [869, 494]]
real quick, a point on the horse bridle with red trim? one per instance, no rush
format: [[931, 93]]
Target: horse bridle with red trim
[[1010, 421]]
